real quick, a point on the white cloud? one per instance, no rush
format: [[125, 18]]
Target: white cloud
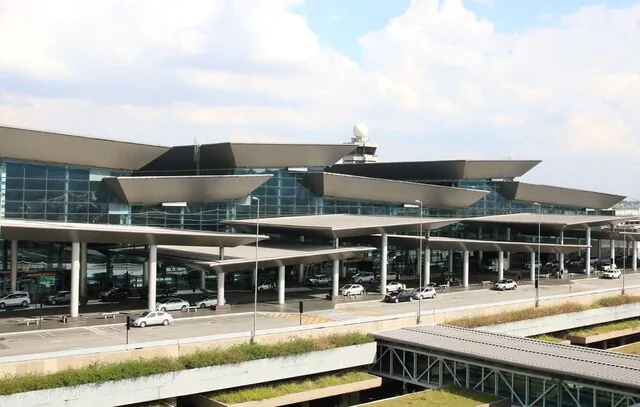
[[437, 78]]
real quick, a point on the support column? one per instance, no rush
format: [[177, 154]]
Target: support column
[[384, 248], [500, 265], [301, 267], [153, 269], [587, 260], [335, 279], [84, 283], [508, 253], [75, 279], [203, 280], [145, 274], [532, 266], [220, 291], [343, 274], [418, 262], [465, 269], [451, 261], [480, 252], [634, 256], [612, 251], [561, 258], [281, 271], [13, 279]]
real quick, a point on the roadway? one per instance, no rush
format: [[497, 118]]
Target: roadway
[[97, 332]]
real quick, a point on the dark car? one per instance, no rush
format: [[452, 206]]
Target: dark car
[[162, 290], [399, 296], [114, 294], [61, 297]]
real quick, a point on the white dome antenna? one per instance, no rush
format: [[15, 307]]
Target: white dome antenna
[[361, 132]]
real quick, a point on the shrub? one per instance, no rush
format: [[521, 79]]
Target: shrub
[[104, 372]]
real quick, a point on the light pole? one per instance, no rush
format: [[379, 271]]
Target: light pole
[[539, 260], [420, 263], [624, 259], [255, 274]]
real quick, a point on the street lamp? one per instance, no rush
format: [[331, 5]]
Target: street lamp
[[420, 263], [255, 273], [539, 260], [624, 259]]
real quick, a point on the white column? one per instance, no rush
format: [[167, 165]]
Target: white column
[[532, 266], [451, 261], [612, 250], [13, 279], [480, 252], [83, 270], [281, 285], [634, 256], [220, 291], [75, 278], [335, 279], [384, 248], [500, 265], [561, 257], [587, 255], [254, 276], [427, 266], [153, 268], [465, 269]]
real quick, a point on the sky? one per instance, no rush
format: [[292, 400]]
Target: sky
[[557, 81]]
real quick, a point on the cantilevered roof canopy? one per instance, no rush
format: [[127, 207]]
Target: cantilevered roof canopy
[[438, 170], [204, 188], [604, 235], [520, 191], [332, 226], [447, 243], [270, 254], [46, 147], [389, 191], [249, 155], [548, 222], [14, 229]]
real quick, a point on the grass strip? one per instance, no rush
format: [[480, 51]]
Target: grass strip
[[605, 328], [633, 349], [548, 338], [531, 313], [104, 372], [447, 397], [258, 393]]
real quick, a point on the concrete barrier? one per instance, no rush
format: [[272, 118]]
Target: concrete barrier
[[563, 322], [55, 361], [169, 385]]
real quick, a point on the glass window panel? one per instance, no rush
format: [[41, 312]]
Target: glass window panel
[[78, 217], [14, 195], [15, 170], [15, 183], [35, 184], [33, 196], [13, 208], [54, 172], [78, 186], [35, 171], [58, 185], [78, 174]]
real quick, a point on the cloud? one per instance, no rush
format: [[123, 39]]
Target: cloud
[[436, 82]]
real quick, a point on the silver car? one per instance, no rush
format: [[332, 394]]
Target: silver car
[[172, 304], [152, 318], [206, 301]]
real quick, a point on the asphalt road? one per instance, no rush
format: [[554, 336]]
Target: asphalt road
[[97, 332]]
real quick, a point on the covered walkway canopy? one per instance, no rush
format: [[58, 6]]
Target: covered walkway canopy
[[447, 243], [59, 232], [342, 225], [548, 222]]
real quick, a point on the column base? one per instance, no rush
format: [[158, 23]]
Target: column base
[[334, 298], [220, 307], [68, 318]]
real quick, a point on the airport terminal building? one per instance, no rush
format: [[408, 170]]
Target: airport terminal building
[[210, 196]]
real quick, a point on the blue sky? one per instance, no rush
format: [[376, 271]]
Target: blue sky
[[554, 80]]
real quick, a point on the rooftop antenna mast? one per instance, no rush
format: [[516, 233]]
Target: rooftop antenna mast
[[196, 155]]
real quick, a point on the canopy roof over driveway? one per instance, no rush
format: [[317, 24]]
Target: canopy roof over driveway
[[548, 222]]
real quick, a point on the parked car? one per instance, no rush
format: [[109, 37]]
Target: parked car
[[424, 292], [171, 304], [609, 267], [114, 294], [206, 301], [363, 277], [612, 274], [351, 289], [393, 276], [162, 290], [152, 318], [266, 285], [395, 286], [505, 284], [591, 269], [399, 296], [450, 282], [61, 297], [322, 281], [15, 299], [527, 266]]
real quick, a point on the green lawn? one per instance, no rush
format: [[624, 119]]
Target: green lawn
[[531, 313], [633, 349], [257, 393], [548, 338], [449, 397], [605, 328]]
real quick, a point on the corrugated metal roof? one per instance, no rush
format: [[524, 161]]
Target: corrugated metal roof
[[569, 361]]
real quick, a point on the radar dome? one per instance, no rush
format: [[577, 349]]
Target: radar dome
[[361, 131]]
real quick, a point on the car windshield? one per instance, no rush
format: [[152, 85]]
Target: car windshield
[[344, 287], [502, 281], [405, 292], [144, 314]]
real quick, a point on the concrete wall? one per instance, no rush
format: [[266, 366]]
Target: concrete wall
[[158, 387], [56, 361], [539, 326]]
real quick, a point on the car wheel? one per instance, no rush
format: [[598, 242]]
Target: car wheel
[[396, 301], [410, 299], [183, 308], [515, 286], [163, 309], [143, 324], [53, 302], [203, 305], [165, 322], [2, 305], [433, 296], [24, 304]]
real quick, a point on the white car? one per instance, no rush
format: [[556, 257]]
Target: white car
[[351, 289], [363, 277], [390, 276], [172, 304], [15, 299], [591, 269], [395, 286], [152, 318], [266, 285], [609, 267], [527, 266], [426, 292], [505, 284], [206, 301], [612, 274]]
